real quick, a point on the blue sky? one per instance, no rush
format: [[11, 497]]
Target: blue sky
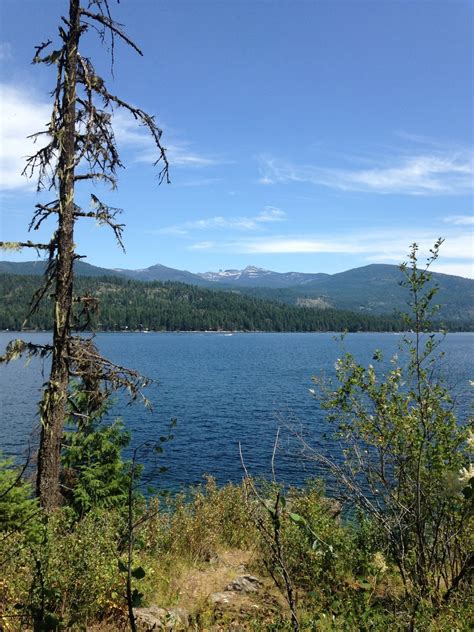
[[314, 135]]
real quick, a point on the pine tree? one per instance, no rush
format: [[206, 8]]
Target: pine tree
[[80, 147]]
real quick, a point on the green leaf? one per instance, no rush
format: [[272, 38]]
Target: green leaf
[[123, 568], [297, 519], [364, 584], [138, 572], [137, 597], [50, 622]]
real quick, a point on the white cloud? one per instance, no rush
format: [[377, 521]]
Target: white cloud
[[182, 156], [21, 114], [438, 173], [419, 139], [203, 245], [296, 245], [371, 246], [456, 269], [460, 220], [134, 136], [196, 182], [269, 214]]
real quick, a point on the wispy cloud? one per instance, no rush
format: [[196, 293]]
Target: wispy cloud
[[457, 269], [196, 182], [135, 138], [419, 139], [460, 220], [21, 114], [436, 173], [182, 155], [376, 246], [268, 215]]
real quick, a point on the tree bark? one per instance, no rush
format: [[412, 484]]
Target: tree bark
[[53, 405]]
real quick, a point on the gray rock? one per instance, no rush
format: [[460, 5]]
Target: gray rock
[[244, 583], [221, 598], [211, 557], [155, 618]]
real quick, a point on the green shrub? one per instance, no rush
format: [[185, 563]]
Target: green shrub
[[406, 464], [18, 508], [208, 519], [70, 577], [95, 474]]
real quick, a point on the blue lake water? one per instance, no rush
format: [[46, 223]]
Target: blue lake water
[[222, 389]]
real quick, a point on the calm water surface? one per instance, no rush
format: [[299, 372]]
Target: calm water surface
[[222, 389]]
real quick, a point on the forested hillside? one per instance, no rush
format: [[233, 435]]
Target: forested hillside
[[127, 304], [372, 289], [376, 289]]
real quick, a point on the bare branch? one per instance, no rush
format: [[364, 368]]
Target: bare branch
[[43, 211], [114, 27], [105, 215], [86, 363], [39, 49], [18, 245], [275, 445], [18, 348], [49, 276]]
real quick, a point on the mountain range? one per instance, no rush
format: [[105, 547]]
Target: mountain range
[[373, 288]]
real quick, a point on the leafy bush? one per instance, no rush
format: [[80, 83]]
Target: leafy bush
[[404, 454], [69, 577]]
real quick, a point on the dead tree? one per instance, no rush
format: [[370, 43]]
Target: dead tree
[[80, 146]]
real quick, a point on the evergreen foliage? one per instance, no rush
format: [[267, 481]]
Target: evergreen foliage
[[17, 505], [134, 305], [94, 473]]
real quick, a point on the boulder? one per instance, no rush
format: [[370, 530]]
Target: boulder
[[221, 598], [244, 583], [155, 618]]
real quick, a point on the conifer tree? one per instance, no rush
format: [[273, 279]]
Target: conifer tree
[[80, 147]]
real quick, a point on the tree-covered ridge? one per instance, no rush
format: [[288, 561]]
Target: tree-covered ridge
[[376, 289], [131, 305], [372, 289]]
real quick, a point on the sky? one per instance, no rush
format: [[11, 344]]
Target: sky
[[303, 135]]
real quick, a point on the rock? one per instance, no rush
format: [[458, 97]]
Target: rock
[[244, 583], [156, 618], [211, 557], [221, 598]]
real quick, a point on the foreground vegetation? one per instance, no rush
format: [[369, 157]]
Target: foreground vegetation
[[70, 570]]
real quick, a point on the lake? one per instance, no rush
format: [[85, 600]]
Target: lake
[[222, 389]]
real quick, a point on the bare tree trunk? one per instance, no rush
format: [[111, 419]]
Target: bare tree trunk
[[53, 406]]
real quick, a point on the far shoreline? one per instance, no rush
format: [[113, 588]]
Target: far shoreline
[[230, 332]]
